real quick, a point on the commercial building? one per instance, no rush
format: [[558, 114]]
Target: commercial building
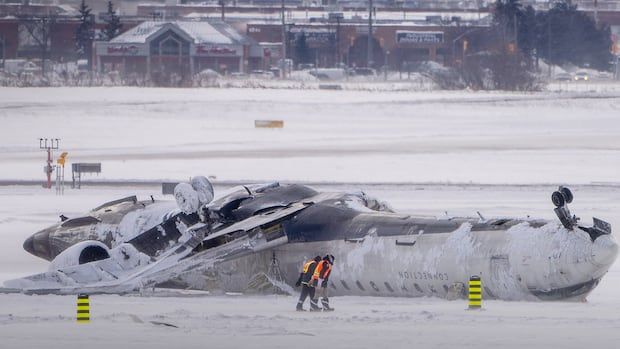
[[159, 50], [394, 45]]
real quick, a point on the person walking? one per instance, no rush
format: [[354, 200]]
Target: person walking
[[305, 281], [320, 280]]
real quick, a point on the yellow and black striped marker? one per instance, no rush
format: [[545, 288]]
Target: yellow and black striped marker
[[83, 308], [475, 292]]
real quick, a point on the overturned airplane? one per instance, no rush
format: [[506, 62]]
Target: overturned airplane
[[266, 231]]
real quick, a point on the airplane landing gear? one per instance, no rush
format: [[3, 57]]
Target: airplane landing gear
[[564, 196], [560, 199]]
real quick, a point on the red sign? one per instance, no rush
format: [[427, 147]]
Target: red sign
[[215, 50], [123, 50]]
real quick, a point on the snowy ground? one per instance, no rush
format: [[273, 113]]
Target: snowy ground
[[514, 148], [220, 321], [569, 137]]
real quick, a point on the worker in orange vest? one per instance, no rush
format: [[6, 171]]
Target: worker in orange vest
[[320, 279], [305, 280]]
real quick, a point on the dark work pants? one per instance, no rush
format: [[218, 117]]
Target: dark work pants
[[305, 292]]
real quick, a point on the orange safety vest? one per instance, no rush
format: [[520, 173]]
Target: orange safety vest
[[324, 268]]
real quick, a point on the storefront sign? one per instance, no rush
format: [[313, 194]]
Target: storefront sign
[[313, 35], [119, 50], [217, 50], [411, 37]]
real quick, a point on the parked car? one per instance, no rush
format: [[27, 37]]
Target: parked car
[[262, 74], [305, 66], [581, 76], [238, 75], [328, 73], [364, 71], [563, 77]]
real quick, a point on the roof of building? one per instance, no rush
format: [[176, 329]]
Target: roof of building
[[309, 15], [201, 32]]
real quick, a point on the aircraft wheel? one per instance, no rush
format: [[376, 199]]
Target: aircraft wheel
[[204, 188], [567, 194], [558, 199], [187, 198]]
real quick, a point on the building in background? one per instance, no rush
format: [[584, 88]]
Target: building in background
[[396, 45], [177, 50], [403, 32]]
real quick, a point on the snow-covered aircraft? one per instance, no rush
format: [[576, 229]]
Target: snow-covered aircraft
[[257, 236]]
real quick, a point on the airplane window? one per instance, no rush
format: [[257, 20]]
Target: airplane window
[[359, 285], [418, 288], [344, 284], [374, 286], [80, 221], [445, 288], [388, 287]]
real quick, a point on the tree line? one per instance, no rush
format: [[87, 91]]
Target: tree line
[[85, 32], [40, 28], [508, 54], [561, 35]]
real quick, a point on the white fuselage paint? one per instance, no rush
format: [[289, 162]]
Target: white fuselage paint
[[512, 263]]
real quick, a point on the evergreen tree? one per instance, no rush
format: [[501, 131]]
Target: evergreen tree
[[85, 34], [561, 35], [527, 31], [506, 18], [113, 23], [566, 35]]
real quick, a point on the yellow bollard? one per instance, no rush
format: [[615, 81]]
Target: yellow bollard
[[83, 308], [475, 292]]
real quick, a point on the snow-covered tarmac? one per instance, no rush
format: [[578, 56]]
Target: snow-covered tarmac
[[523, 144], [459, 136]]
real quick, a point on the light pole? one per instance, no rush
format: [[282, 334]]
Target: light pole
[[385, 65], [3, 44], [222, 4], [283, 60], [49, 145], [369, 58], [336, 16]]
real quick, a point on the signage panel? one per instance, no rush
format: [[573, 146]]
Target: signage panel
[[413, 37]]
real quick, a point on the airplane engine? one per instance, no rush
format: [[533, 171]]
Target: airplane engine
[[80, 253]]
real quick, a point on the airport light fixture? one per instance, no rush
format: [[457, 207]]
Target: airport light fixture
[[49, 145]]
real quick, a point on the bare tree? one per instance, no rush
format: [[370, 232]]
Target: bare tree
[[39, 30]]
